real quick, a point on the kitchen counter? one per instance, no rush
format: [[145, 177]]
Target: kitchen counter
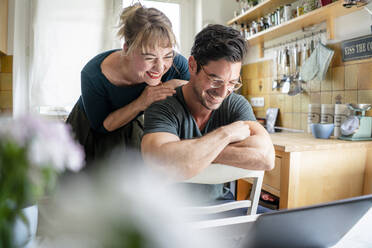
[[298, 142], [311, 171]]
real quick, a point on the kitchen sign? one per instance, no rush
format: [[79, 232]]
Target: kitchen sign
[[358, 48]]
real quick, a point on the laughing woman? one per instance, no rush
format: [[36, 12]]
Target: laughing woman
[[118, 85]]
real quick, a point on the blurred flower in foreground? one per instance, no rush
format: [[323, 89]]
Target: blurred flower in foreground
[[122, 205], [32, 152]]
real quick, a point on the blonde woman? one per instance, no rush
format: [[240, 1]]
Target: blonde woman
[[118, 85]]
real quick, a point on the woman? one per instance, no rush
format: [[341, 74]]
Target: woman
[[118, 85]]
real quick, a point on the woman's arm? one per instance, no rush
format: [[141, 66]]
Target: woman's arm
[[127, 113]]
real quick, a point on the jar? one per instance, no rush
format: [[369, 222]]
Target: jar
[[262, 24], [258, 25], [300, 11], [255, 27], [273, 18]]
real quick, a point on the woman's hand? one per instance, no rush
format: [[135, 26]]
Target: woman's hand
[[152, 94], [174, 83]]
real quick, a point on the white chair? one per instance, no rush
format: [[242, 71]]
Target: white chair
[[219, 173]]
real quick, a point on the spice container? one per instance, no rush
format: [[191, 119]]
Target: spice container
[[300, 11]]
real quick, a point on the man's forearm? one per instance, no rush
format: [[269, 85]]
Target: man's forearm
[[187, 157], [246, 157]]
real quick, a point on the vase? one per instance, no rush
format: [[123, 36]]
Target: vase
[[24, 233]]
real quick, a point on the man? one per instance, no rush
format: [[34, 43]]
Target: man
[[205, 122]]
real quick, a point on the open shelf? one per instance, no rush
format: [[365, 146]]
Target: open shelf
[[259, 10], [326, 13]]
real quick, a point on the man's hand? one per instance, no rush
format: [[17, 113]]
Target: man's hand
[[237, 131], [256, 151]]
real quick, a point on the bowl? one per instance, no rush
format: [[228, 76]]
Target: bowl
[[322, 131]]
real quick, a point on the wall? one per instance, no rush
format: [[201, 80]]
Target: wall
[[351, 81], [6, 102], [218, 11], [212, 12]]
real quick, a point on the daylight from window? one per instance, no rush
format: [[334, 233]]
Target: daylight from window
[[171, 10]]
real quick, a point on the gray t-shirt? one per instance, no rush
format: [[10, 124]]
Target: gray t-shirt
[[172, 116]]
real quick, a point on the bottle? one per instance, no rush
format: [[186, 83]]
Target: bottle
[[242, 29], [277, 16], [268, 21], [251, 29], [246, 32], [287, 12]]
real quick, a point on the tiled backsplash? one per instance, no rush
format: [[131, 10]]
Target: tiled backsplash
[[6, 96], [347, 81]]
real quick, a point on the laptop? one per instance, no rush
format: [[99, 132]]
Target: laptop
[[320, 225]]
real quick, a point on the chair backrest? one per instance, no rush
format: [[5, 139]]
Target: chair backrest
[[220, 173]]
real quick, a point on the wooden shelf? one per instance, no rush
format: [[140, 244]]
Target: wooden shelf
[[259, 10], [326, 13]]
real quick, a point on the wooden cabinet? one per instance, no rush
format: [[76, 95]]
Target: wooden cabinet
[[3, 26], [327, 13], [271, 181], [311, 171]]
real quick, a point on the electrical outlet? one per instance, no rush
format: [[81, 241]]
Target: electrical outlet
[[258, 102]]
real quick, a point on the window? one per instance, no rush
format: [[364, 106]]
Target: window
[[171, 10], [64, 36]]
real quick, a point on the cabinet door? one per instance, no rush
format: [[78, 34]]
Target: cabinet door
[[3, 26], [271, 181]]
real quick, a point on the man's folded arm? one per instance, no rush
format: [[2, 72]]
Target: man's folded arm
[[183, 158], [256, 152]]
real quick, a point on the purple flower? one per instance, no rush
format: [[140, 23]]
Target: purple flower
[[48, 143]]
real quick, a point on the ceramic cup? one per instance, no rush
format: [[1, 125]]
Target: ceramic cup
[[313, 115]]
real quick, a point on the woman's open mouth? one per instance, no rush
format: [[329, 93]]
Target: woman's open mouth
[[153, 75]]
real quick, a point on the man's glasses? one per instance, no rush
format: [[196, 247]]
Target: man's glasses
[[218, 83]]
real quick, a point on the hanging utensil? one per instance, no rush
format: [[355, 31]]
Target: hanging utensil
[[275, 83], [287, 61], [312, 45], [286, 85], [296, 87]]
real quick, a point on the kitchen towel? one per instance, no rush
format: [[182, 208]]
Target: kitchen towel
[[317, 64]]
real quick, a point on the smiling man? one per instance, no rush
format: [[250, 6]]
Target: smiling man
[[205, 121]]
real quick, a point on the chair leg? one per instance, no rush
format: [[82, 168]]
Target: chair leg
[[255, 195]]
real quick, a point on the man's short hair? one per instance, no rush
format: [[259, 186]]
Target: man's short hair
[[216, 42]]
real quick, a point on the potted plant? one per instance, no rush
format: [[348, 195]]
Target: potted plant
[[32, 153]]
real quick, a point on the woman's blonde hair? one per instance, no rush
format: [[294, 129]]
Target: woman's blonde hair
[[145, 28]]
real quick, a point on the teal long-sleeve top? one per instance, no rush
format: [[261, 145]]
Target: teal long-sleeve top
[[99, 97]]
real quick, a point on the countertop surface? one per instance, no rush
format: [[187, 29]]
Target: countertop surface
[[297, 142]]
